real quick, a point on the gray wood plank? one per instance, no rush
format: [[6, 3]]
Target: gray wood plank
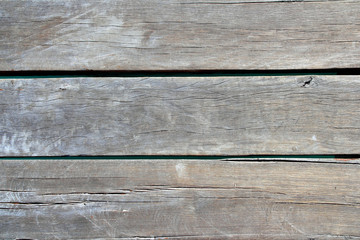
[[82, 199], [180, 116], [178, 34]]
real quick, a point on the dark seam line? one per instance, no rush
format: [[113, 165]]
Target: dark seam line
[[195, 157], [180, 73]]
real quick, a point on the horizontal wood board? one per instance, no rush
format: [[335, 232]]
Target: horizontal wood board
[[178, 34], [180, 116], [107, 199]]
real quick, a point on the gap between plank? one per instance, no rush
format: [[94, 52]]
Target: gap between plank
[[196, 73]]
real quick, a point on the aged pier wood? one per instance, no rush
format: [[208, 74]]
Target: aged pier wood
[[180, 116], [179, 198], [169, 154], [178, 34]]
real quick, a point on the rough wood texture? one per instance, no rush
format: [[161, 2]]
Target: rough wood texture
[[180, 116], [82, 199], [178, 34]]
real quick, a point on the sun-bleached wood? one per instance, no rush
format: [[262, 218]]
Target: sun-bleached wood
[[89, 199], [180, 116], [178, 34]]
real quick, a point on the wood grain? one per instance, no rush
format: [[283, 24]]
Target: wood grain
[[178, 34], [82, 199], [180, 116]]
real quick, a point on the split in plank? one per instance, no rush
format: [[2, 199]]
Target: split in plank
[[178, 34], [180, 116]]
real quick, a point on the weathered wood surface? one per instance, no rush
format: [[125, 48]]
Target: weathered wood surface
[[178, 34], [80, 199], [180, 116]]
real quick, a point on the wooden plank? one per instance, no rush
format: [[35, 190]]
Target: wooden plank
[[178, 34], [81, 199], [180, 116]]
